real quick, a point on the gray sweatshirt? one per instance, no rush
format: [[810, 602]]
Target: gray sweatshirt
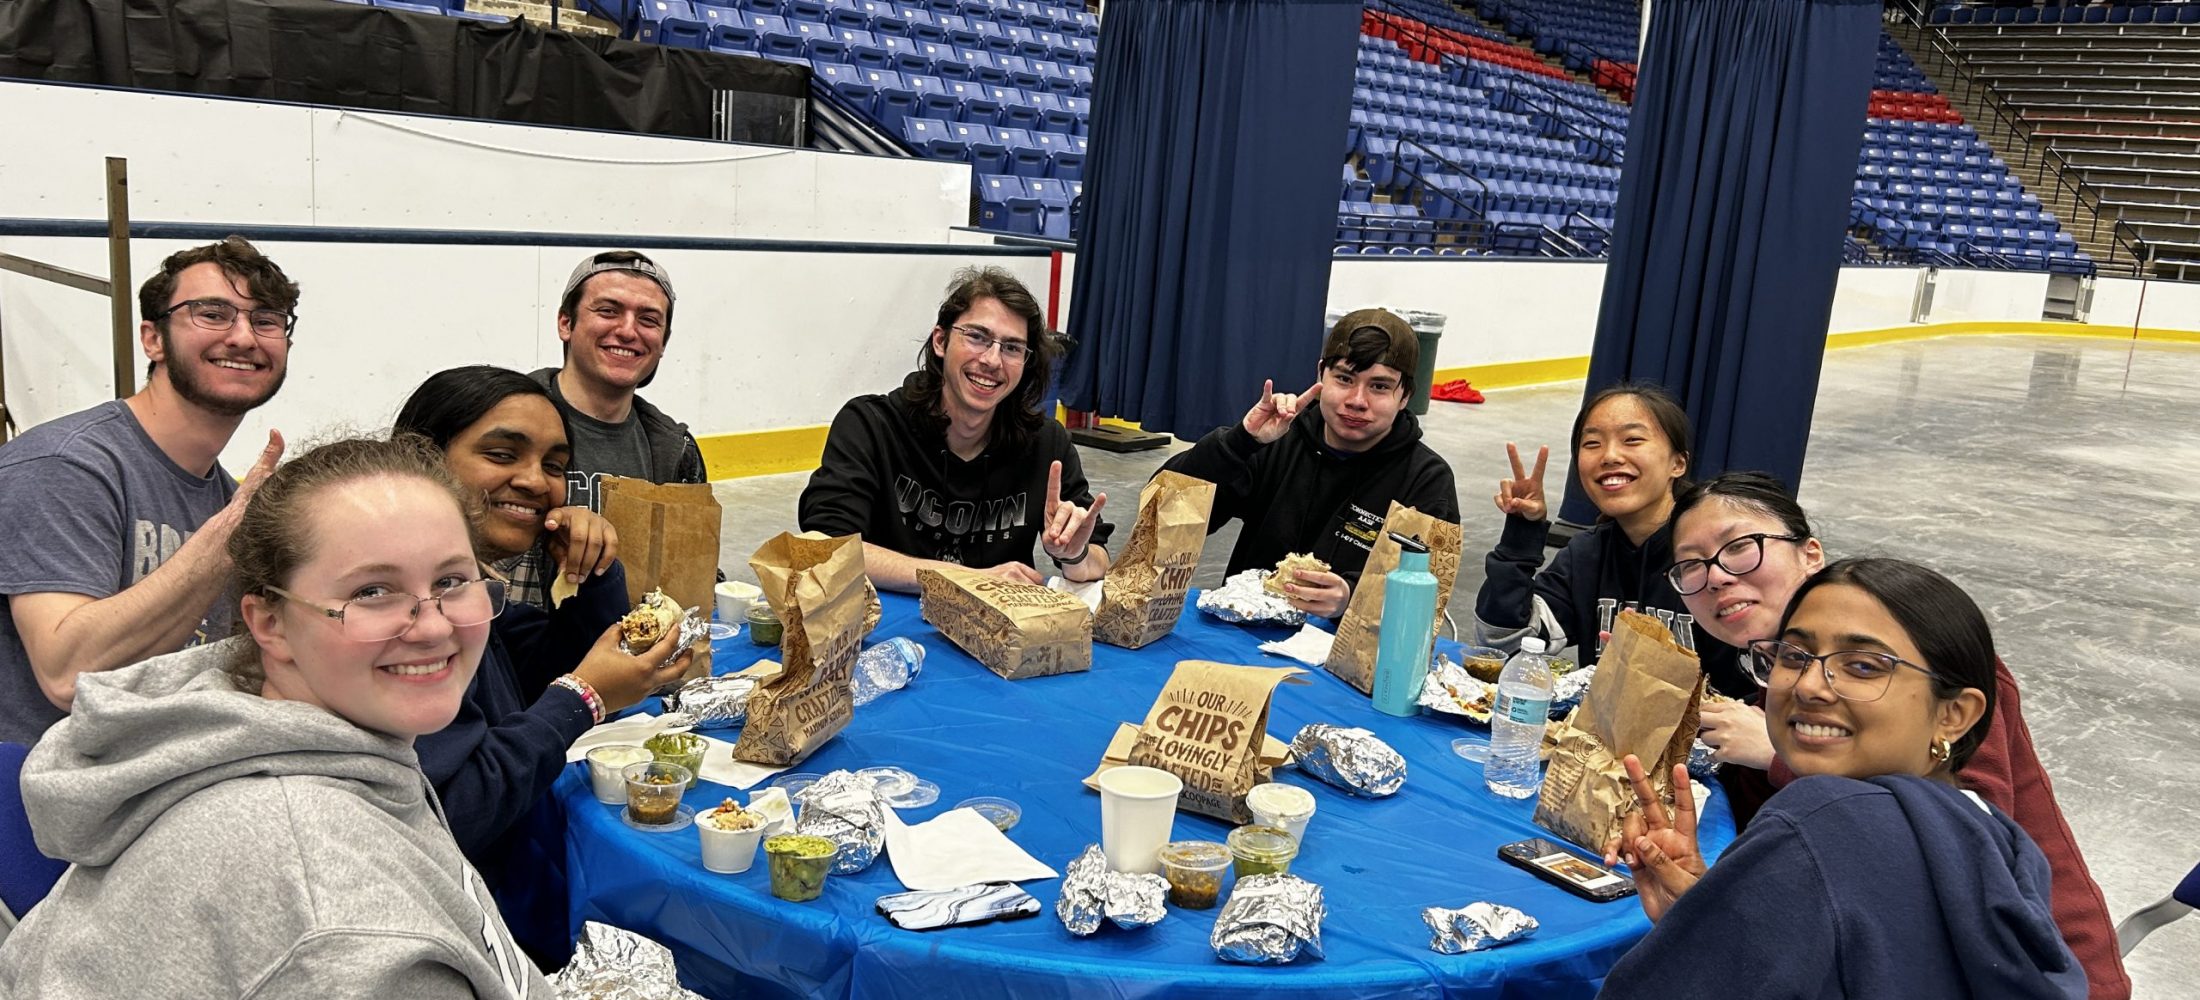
[[224, 845]]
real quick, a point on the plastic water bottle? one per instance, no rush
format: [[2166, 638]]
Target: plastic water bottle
[[1523, 708], [1408, 629], [888, 666]]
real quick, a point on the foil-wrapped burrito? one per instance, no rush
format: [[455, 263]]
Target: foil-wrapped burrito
[[720, 702], [1242, 599], [1270, 919], [844, 808], [614, 964], [1351, 759], [1569, 688], [1702, 765], [1475, 927], [1090, 892]]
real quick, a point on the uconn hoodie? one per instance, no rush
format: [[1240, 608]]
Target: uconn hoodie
[[1894, 887], [221, 844]]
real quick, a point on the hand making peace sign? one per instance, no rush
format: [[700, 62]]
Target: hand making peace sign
[[1523, 493], [1660, 849]]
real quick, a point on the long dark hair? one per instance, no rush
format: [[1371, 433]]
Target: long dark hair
[[1017, 421], [1753, 491], [454, 399], [1947, 627]]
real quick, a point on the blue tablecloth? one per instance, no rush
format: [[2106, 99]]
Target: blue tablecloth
[[1379, 861]]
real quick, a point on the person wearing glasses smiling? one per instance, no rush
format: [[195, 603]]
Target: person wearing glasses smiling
[[117, 515], [1743, 548], [249, 818], [958, 465], [1873, 874]]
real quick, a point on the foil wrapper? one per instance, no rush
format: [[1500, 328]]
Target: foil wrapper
[[1090, 893], [1449, 689], [844, 808], [1269, 920], [614, 964], [1701, 766], [1241, 599], [1475, 927], [1351, 759], [694, 631], [1569, 688], [720, 702]]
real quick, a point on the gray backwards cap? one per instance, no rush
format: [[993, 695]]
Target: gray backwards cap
[[619, 260]]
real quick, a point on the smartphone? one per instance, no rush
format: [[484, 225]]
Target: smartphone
[[1567, 870], [972, 904]]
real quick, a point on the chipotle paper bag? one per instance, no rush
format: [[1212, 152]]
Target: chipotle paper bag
[[820, 603], [778, 561], [1643, 701], [1210, 728], [1352, 656], [1017, 630], [668, 539], [1143, 594]]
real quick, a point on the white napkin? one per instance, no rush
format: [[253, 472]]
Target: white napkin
[[719, 767], [1088, 591], [1310, 646], [958, 848]]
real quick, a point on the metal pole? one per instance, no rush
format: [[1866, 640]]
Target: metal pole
[[118, 274]]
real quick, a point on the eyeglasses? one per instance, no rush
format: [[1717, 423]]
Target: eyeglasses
[[387, 616], [982, 340], [1742, 555], [220, 315], [1853, 674]]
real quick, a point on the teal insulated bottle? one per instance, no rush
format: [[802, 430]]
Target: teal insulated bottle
[[1408, 630]]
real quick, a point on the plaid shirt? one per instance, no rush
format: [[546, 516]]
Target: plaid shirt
[[527, 576]]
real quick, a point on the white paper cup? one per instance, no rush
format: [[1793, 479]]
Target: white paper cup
[[728, 852], [607, 771], [1285, 807], [1137, 816], [734, 598]]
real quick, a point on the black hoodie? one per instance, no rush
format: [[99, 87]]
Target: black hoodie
[[1297, 494], [888, 474], [1898, 886]]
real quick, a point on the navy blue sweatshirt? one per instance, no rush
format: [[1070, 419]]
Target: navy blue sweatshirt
[[1894, 887], [1599, 562], [494, 764], [1297, 494]]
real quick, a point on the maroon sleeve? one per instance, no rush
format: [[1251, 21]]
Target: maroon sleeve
[[2006, 771]]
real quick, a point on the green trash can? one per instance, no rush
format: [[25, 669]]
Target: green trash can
[[1429, 328]]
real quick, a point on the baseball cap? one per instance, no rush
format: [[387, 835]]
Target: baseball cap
[[620, 260], [1404, 352]]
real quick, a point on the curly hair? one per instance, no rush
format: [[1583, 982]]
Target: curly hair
[[239, 259]]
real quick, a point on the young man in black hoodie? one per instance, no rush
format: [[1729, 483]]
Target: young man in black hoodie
[[1316, 472], [946, 469]]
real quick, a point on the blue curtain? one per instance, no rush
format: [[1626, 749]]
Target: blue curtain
[[1210, 206], [1741, 155]]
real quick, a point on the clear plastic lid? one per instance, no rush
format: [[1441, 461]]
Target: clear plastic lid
[[1195, 855], [1263, 843]]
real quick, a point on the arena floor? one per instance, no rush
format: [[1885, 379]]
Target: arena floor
[[2052, 477]]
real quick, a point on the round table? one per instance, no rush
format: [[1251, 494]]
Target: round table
[[1379, 861]]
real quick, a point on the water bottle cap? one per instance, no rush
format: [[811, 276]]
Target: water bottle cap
[[1409, 543], [1532, 644]]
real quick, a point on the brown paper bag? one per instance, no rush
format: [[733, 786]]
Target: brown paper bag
[[1643, 701], [820, 583], [1202, 730], [776, 564], [668, 539], [1143, 593], [1017, 630], [1352, 656]]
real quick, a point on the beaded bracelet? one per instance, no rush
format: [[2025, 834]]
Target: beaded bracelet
[[587, 692]]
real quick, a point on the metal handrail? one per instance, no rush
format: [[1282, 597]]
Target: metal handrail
[[1618, 153], [1450, 168], [2051, 161]]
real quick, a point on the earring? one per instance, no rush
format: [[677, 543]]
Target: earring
[[1941, 750]]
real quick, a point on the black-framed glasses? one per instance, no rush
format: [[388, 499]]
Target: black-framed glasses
[[387, 616], [220, 315], [1853, 674], [1742, 555], [982, 340]]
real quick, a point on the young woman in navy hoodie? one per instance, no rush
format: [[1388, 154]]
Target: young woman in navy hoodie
[[1631, 453], [1873, 874]]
